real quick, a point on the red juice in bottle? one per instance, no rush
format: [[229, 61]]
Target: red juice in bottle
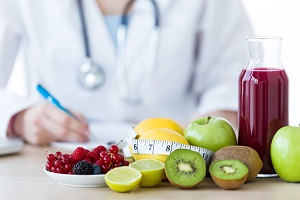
[[263, 109]]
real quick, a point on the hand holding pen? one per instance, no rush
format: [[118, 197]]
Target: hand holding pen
[[48, 122], [52, 100]]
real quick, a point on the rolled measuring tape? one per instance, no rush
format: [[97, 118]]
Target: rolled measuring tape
[[143, 146]]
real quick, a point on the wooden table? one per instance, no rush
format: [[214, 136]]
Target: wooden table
[[22, 177]]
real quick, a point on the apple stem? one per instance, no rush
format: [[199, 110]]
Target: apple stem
[[208, 118]]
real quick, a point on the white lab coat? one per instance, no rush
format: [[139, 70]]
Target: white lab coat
[[201, 52]]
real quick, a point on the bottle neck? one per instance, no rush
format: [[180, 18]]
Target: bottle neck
[[264, 52]]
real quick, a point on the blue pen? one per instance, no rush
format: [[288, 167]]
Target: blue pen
[[53, 100]]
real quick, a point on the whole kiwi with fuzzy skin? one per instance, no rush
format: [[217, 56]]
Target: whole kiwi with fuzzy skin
[[246, 155]]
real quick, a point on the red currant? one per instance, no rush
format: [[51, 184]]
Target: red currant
[[57, 163], [64, 159], [126, 163], [117, 164], [104, 169], [121, 157], [115, 158], [58, 153], [49, 165], [103, 154], [114, 149], [107, 160], [51, 157], [60, 170], [53, 169], [68, 167]]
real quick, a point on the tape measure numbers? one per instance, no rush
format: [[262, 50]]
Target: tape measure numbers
[[142, 146]]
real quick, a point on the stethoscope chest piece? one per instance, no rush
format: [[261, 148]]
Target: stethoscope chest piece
[[90, 75]]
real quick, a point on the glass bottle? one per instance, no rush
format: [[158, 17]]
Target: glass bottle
[[263, 98]]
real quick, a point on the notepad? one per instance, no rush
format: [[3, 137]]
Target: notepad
[[10, 146]]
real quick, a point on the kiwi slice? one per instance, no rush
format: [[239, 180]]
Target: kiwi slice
[[185, 168], [228, 174], [246, 155]]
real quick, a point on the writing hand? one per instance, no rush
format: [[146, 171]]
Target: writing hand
[[45, 123]]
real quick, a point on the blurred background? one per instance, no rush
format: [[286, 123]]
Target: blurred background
[[281, 18], [268, 17]]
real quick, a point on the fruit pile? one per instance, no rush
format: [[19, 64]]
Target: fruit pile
[[84, 162], [229, 167], [211, 133]]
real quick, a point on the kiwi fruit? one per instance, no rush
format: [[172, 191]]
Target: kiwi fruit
[[228, 174], [246, 155], [185, 168]]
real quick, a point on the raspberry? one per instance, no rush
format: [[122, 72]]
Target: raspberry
[[93, 156], [79, 154], [87, 160], [86, 151], [99, 162], [83, 168], [98, 149]]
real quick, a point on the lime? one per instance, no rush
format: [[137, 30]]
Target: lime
[[123, 179], [152, 171]]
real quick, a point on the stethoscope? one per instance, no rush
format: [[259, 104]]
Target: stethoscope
[[91, 75]]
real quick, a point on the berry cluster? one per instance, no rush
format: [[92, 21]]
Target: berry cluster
[[82, 161]]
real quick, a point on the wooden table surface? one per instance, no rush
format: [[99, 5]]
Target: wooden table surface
[[22, 177]]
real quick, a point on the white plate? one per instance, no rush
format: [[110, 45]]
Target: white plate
[[78, 180]]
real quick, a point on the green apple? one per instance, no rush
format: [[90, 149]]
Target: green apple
[[285, 153], [211, 133]]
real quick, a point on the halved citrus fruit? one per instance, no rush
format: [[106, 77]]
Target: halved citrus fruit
[[152, 171], [123, 179]]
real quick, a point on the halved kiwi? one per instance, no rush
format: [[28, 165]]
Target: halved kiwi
[[185, 168], [246, 155], [228, 174]]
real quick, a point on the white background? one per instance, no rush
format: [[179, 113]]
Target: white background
[[281, 18], [268, 17]]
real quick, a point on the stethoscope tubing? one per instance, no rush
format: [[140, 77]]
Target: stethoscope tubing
[[84, 29], [121, 53]]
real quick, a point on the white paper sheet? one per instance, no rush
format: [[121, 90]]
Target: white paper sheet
[[10, 146]]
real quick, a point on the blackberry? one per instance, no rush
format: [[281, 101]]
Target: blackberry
[[83, 168], [96, 169]]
